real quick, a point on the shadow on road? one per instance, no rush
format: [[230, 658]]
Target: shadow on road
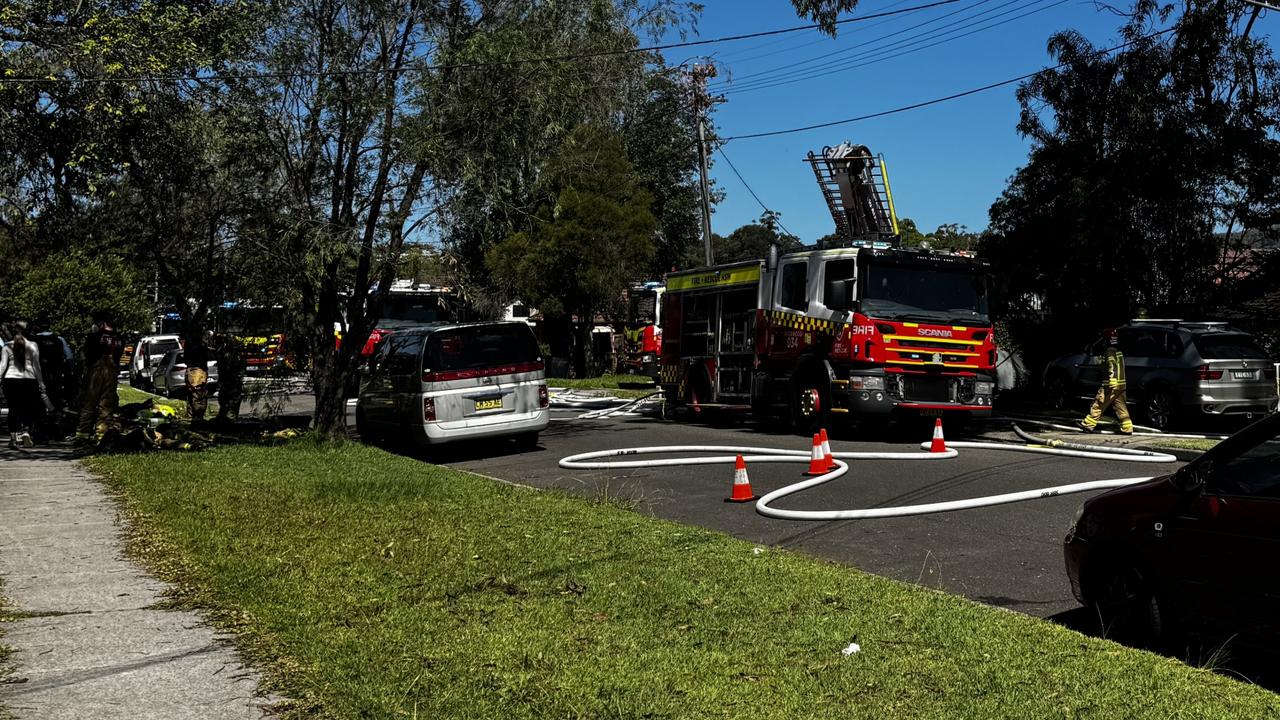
[[1226, 656]]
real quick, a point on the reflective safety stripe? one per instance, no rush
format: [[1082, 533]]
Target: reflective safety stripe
[[795, 321], [1115, 367]]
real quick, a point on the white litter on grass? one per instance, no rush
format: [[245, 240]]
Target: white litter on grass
[[853, 648], [757, 551]]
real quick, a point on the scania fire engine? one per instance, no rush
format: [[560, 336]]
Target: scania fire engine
[[867, 328]]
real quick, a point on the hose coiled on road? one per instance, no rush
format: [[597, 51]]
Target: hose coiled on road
[[598, 460]]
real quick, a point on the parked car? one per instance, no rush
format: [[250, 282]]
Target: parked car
[[442, 382], [1175, 370], [147, 354], [170, 378], [1187, 551]]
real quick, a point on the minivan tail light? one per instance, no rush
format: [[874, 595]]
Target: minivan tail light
[[1204, 373], [447, 375], [544, 399], [428, 409]]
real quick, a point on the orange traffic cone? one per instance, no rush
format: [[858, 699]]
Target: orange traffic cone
[[741, 484], [826, 449], [817, 459], [939, 444]]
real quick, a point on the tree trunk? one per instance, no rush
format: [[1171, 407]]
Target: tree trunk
[[329, 381]]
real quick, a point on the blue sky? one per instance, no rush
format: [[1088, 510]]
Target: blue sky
[[947, 163]]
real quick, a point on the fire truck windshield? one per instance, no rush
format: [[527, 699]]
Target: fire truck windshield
[[896, 292]]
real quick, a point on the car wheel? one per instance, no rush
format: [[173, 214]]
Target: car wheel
[[1129, 609], [527, 441], [1159, 409], [1057, 391]]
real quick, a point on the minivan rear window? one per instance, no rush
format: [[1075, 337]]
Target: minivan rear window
[[1229, 347], [480, 346], [163, 346]]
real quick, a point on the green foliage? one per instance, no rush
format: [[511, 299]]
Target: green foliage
[[824, 12], [909, 233], [1146, 166], [63, 291], [585, 247], [422, 264], [62, 143], [661, 134], [751, 242], [498, 126]]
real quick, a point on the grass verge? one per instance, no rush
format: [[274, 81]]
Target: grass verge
[[371, 585], [1184, 443], [625, 386]]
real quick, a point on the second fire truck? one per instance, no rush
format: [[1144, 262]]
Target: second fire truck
[[867, 328]]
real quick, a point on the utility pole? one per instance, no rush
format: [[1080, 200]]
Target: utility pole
[[698, 76]]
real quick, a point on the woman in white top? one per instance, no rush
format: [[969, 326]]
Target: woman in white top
[[23, 387]]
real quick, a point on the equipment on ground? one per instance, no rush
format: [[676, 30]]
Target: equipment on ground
[[861, 328]]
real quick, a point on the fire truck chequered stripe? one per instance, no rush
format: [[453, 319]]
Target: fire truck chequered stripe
[[801, 322]]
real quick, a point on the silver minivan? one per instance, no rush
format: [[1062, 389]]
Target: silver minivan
[[443, 382]]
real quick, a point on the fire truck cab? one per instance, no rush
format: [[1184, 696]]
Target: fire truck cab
[[869, 329]]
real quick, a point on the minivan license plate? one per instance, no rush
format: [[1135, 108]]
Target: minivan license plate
[[490, 404], [1242, 374]]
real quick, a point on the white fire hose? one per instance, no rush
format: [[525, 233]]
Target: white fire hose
[[595, 461]]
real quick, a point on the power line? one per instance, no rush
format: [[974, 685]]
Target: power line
[[742, 180], [895, 50], [725, 57], [935, 101], [828, 56], [915, 42], [474, 65]]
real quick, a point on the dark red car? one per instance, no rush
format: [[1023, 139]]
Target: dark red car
[[1195, 550]]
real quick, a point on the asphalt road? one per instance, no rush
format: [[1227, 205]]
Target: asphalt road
[[1008, 556]]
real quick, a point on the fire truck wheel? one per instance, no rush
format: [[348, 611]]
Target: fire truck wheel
[[808, 408]]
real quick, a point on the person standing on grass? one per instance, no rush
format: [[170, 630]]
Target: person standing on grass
[[23, 387], [102, 349]]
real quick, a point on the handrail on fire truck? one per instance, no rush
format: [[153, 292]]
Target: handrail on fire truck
[[855, 185]]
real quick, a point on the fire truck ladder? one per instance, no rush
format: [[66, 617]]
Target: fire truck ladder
[[855, 185]]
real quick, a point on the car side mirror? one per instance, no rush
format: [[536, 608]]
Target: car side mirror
[[1192, 478]]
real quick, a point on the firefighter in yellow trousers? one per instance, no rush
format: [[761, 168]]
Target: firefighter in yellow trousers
[[1111, 394]]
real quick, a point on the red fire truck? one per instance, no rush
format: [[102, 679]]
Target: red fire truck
[[864, 329], [642, 335]]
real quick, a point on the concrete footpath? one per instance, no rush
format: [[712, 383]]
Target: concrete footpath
[[88, 643]]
